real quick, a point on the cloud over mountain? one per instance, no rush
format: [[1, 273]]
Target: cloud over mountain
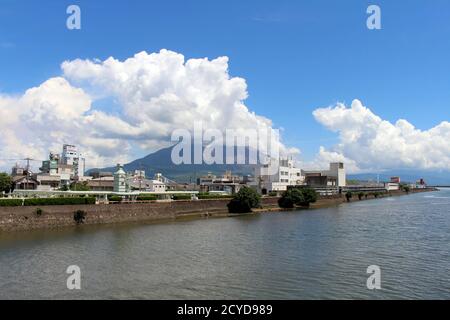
[[162, 92], [368, 142], [153, 95]]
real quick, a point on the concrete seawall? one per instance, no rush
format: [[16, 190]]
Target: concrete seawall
[[26, 218]]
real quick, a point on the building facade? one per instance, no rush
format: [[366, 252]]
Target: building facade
[[120, 179], [335, 176], [277, 176], [227, 183]]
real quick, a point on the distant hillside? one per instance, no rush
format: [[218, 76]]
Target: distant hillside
[[430, 177], [160, 161]]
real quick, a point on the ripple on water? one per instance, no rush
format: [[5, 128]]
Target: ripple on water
[[322, 253]]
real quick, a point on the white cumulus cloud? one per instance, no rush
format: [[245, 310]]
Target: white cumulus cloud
[[47, 116], [367, 142], [153, 95]]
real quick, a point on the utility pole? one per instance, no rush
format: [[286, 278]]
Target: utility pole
[[28, 164]]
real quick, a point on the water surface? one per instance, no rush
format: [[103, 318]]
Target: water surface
[[311, 254]]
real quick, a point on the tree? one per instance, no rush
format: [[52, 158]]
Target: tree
[[361, 195], [5, 182], [406, 188], [297, 197], [309, 196], [80, 186], [244, 201], [79, 216], [348, 195], [39, 212], [290, 198]]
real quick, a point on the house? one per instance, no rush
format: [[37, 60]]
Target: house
[[47, 181], [105, 183], [24, 182]]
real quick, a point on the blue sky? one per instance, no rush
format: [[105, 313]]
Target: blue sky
[[296, 56]]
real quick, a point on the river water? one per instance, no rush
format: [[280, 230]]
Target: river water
[[309, 254]]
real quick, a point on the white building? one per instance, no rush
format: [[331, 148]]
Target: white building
[[391, 186], [277, 176], [71, 156], [137, 181], [156, 186]]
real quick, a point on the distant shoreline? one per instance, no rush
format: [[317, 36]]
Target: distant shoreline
[[60, 216]]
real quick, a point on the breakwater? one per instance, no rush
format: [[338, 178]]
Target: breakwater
[[57, 216]]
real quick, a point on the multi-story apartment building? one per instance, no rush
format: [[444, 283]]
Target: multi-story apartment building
[[277, 176]]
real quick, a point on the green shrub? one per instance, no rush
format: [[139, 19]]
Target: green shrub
[[286, 202], [309, 196], [244, 201], [79, 216], [214, 196], [290, 198], [181, 197], [115, 198], [5, 182], [39, 212], [10, 202], [236, 206], [146, 198], [58, 201], [360, 195], [297, 196], [348, 195], [80, 186], [273, 193]]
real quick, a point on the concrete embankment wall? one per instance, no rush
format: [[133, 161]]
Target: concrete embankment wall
[[26, 218], [327, 201]]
